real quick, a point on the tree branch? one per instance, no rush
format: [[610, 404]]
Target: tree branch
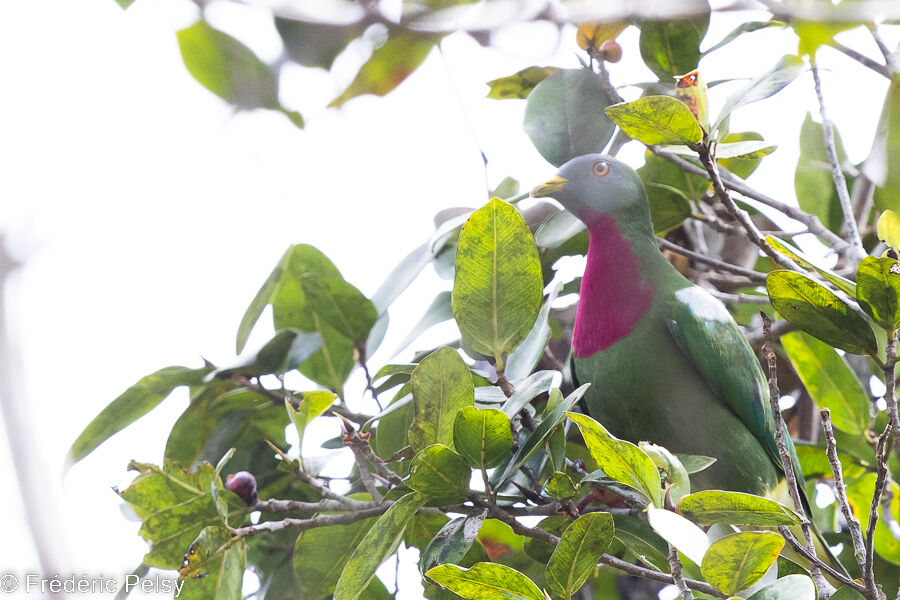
[[683, 589], [787, 464], [317, 521], [859, 548], [840, 182], [718, 264]]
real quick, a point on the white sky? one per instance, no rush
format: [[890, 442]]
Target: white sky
[[150, 214]]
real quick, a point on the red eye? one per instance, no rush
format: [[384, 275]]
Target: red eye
[[600, 168]]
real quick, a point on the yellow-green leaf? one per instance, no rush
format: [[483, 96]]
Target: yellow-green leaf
[[441, 386], [738, 561], [819, 312], [498, 286], [576, 555], [486, 581], [520, 84], [657, 120], [620, 460], [830, 382], [735, 508]]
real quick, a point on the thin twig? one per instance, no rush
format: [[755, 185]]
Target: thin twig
[[881, 449], [787, 464], [859, 547], [889, 59], [735, 184], [837, 174], [831, 571], [680, 583], [317, 521], [860, 58], [712, 168], [890, 352], [719, 264], [363, 360], [276, 505]]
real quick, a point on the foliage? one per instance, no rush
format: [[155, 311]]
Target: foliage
[[489, 426]]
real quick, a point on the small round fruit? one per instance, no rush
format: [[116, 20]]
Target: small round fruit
[[243, 484], [611, 51]]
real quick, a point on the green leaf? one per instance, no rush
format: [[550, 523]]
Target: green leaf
[[541, 434], [643, 542], [790, 587], [380, 542], [859, 495], [742, 165], [452, 542], [321, 553], [259, 302], [498, 286], [738, 561], [220, 417], [814, 309], [841, 283], [175, 505], [389, 65], [620, 460], [564, 115], [813, 181], [486, 581], [393, 428], [312, 404], [672, 47], [881, 167], [441, 310], [877, 289], [213, 568], [520, 84], [438, 472], [131, 405], [741, 29], [292, 307], [657, 120], [560, 486], [846, 593], [227, 68], [286, 350], [300, 289], [441, 387], [768, 84], [580, 547], [482, 436], [830, 382], [694, 463], [315, 44], [340, 305], [735, 508]]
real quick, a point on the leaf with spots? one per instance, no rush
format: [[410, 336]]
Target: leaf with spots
[[498, 286]]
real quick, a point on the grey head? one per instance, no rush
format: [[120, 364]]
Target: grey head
[[594, 185]]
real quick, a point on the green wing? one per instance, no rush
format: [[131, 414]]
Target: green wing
[[708, 335]]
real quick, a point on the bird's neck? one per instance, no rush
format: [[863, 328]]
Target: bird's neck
[[617, 287]]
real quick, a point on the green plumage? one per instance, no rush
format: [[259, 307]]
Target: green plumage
[[682, 374]]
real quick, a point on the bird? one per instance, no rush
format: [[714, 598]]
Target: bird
[[666, 361]]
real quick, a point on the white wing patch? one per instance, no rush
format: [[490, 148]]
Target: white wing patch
[[702, 304]]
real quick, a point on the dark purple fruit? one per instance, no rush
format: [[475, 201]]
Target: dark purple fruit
[[243, 484]]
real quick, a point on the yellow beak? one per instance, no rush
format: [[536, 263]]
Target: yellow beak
[[549, 187]]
